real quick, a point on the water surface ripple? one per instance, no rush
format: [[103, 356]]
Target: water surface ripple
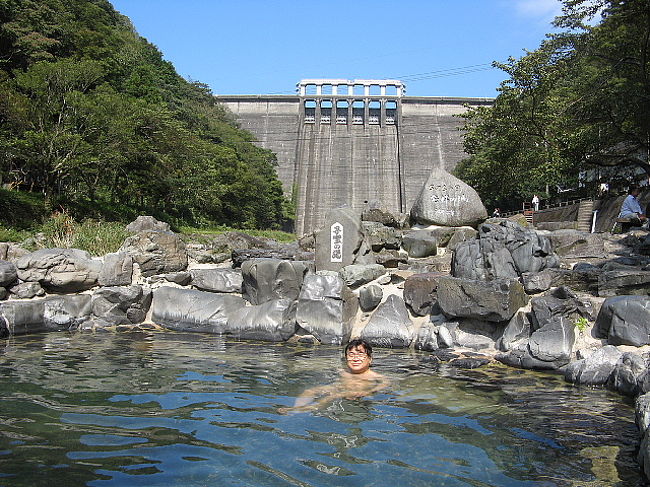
[[165, 409]]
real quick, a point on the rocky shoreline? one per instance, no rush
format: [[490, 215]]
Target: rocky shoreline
[[563, 301]]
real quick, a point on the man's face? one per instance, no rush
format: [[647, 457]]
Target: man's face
[[358, 360]]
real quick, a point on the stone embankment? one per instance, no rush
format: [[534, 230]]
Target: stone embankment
[[564, 301]]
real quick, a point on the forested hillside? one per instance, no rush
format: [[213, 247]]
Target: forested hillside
[[579, 102], [93, 118]]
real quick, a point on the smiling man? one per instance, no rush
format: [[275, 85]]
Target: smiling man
[[355, 382]]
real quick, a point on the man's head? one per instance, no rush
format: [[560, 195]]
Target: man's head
[[634, 190], [358, 355]]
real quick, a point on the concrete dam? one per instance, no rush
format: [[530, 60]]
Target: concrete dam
[[351, 142]]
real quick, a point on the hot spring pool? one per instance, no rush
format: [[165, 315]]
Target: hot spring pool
[[169, 409]]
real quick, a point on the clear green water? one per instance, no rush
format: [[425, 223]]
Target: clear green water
[[167, 409]]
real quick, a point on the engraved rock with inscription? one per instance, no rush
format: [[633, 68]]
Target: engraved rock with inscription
[[446, 200]]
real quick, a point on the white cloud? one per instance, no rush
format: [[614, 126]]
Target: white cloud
[[540, 9]]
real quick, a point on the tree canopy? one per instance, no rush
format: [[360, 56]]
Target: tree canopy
[[579, 101], [91, 113]]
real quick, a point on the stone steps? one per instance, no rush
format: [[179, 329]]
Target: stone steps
[[585, 212]]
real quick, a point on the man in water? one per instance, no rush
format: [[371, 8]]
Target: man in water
[[354, 382]]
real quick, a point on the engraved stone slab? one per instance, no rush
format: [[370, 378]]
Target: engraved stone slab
[[338, 241], [446, 200]]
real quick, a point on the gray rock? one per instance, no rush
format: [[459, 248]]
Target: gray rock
[[389, 325], [617, 282], [182, 278], [642, 412], [8, 273], [374, 213], [217, 280], [356, 275], [26, 290], [370, 297], [3, 293], [442, 234], [239, 256], [192, 310], [474, 334], [628, 375], [420, 292], [156, 252], [59, 270], [267, 279], [576, 244], [117, 270], [518, 329], [468, 262], [579, 279], [326, 307], [11, 252], [121, 305], [390, 259], [427, 338], [446, 200], [644, 453], [462, 234], [503, 250], [495, 301], [54, 313], [272, 321], [379, 236], [595, 369], [338, 241], [420, 243], [445, 337], [144, 223], [624, 320]]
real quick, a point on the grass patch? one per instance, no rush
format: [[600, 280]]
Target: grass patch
[[93, 236], [13, 235]]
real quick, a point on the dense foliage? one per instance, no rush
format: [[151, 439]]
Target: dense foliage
[[580, 101], [94, 118]]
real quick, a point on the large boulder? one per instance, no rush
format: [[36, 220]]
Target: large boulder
[[289, 252], [338, 240], [54, 313], [60, 270], [503, 250], [120, 305], [374, 212], [11, 252], [446, 200], [192, 310], [420, 292], [217, 280], [156, 252], [356, 275], [370, 297], [267, 279], [117, 270], [595, 369], [272, 321], [379, 236], [494, 301], [420, 243], [624, 320], [576, 244], [630, 376], [145, 222], [26, 290], [623, 281], [326, 308], [389, 325], [8, 273], [551, 323], [469, 333]]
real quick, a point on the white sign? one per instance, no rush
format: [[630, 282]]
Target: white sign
[[336, 242]]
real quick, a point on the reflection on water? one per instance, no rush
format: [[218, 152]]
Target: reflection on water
[[178, 409]]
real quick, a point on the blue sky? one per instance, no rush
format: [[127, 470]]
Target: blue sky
[[437, 47]]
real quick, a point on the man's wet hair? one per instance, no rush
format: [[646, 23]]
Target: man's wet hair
[[359, 342], [633, 188]]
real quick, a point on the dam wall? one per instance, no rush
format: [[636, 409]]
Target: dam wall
[[336, 149]]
